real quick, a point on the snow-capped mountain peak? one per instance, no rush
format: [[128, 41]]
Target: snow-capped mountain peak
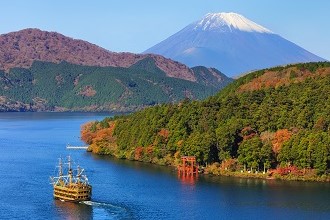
[[228, 21], [232, 44]]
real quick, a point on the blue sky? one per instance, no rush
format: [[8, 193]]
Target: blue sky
[[136, 25]]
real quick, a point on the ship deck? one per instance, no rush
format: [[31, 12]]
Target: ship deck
[[73, 193]]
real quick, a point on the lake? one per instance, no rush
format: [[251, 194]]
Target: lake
[[31, 144]]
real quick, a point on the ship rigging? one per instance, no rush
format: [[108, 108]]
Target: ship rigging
[[71, 184]]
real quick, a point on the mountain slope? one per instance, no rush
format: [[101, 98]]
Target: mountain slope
[[22, 48], [68, 87], [285, 122], [49, 71], [232, 44]]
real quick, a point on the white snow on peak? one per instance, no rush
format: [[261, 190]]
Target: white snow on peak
[[219, 21]]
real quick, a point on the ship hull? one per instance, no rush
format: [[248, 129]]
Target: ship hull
[[73, 193]]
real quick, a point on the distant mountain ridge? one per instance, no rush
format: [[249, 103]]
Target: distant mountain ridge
[[47, 71], [21, 48], [231, 43]]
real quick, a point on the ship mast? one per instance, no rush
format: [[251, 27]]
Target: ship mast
[[78, 174], [60, 172], [70, 170]]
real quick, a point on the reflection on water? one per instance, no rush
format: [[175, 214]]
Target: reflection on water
[[187, 179], [73, 211]]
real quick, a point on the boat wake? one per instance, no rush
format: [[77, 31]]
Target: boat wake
[[91, 203], [107, 210]]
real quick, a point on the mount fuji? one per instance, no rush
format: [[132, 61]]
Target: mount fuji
[[231, 43]]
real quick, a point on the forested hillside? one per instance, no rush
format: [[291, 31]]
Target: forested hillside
[[68, 87], [274, 118]]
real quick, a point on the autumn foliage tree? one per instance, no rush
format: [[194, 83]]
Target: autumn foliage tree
[[99, 135], [87, 132], [280, 137]]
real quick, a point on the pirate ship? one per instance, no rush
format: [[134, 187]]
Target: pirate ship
[[71, 184]]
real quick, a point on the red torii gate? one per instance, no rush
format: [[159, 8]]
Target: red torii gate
[[188, 166]]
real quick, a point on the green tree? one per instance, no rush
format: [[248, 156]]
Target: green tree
[[228, 137], [249, 153]]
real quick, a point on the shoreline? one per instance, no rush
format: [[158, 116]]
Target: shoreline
[[266, 176], [209, 171]]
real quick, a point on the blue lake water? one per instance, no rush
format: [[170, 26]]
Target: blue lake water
[[31, 143]]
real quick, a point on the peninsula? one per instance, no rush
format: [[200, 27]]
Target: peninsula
[[273, 121]]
